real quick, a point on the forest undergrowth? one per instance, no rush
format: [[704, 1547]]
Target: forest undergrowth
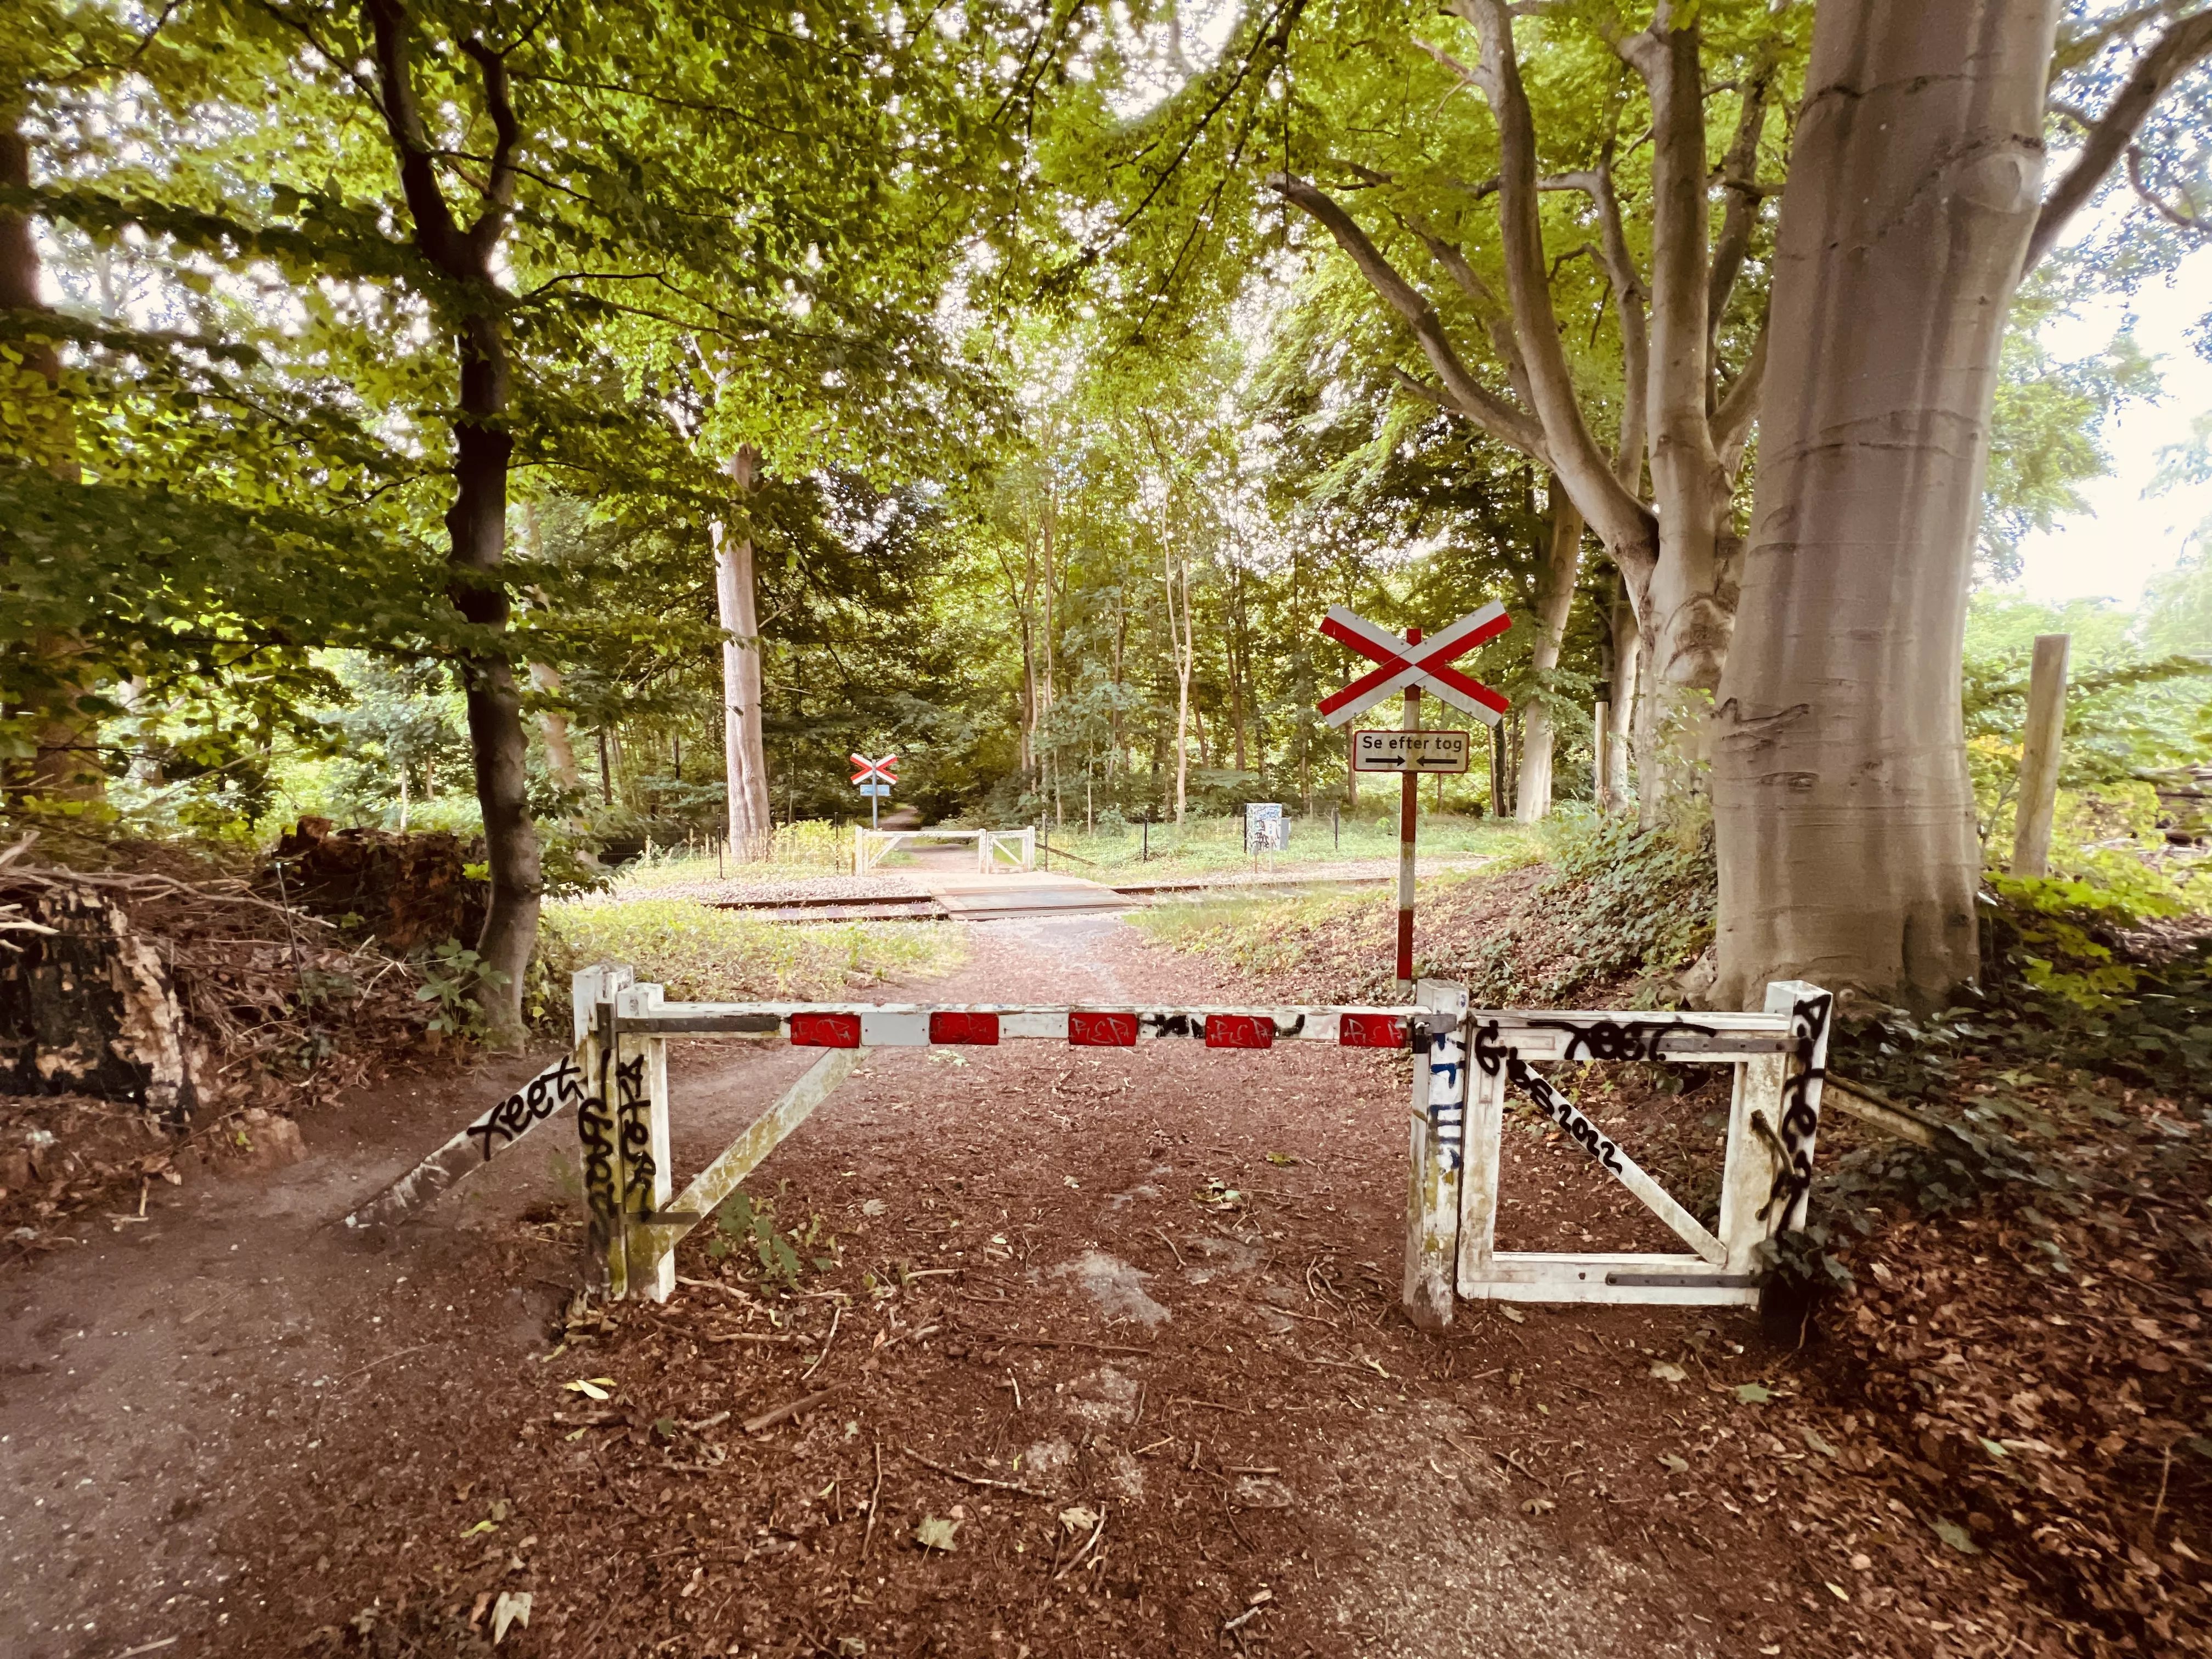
[[286, 1003], [2019, 1310]]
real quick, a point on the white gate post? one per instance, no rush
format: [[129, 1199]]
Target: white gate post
[[1439, 1132], [1774, 1121], [592, 995], [640, 1075], [1478, 1188]]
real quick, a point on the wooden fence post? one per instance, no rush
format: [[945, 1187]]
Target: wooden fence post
[[1439, 1139], [2039, 761]]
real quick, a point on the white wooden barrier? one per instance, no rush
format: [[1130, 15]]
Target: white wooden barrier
[[1465, 1063], [994, 847]]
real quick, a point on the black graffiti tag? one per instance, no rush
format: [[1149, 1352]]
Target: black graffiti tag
[[538, 1099], [1609, 1039], [636, 1128], [1563, 1112], [1801, 1109], [1489, 1052]]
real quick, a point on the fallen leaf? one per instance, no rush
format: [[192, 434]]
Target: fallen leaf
[[1282, 1160], [1668, 1371], [1510, 1312], [1956, 1536], [1993, 1449], [1838, 1591], [1752, 1393], [591, 1388], [1679, 1465], [935, 1534], [875, 1207], [513, 1607], [1078, 1519], [1812, 1439], [480, 1526], [1538, 1506]]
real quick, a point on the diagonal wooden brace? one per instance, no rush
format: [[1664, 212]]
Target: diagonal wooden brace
[[652, 1237]]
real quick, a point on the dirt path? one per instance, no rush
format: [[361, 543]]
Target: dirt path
[[1151, 1295]]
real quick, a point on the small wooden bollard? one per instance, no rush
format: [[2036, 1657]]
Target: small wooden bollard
[[2038, 762]]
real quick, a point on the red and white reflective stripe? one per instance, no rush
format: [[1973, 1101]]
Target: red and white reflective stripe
[[857, 1025]]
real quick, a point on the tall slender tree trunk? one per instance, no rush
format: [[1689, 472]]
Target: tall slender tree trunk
[[1844, 814], [498, 745], [744, 757], [476, 524], [1555, 598], [65, 761], [1627, 694], [553, 729], [546, 680], [1181, 643]]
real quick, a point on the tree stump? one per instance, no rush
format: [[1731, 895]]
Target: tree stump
[[89, 1008]]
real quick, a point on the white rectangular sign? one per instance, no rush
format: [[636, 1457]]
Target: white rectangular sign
[[1410, 752]]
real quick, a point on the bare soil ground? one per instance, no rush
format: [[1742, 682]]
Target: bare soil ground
[[1117, 1331]]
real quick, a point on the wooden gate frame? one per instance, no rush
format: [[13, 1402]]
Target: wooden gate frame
[[1015, 846], [617, 1077], [1780, 1056]]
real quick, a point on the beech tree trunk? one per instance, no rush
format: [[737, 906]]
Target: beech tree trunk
[[1627, 666], [1555, 598], [1845, 815], [498, 743], [476, 522], [745, 759]]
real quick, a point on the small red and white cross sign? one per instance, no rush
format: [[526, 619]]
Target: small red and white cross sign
[[1426, 664], [876, 771]]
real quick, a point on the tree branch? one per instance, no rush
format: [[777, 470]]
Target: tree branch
[[2180, 216], [2174, 53], [1497, 320], [1740, 179], [1739, 405], [499, 187], [436, 233], [1491, 413], [1627, 525], [1630, 302]]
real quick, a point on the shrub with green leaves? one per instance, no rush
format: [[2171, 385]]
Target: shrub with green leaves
[[746, 1222]]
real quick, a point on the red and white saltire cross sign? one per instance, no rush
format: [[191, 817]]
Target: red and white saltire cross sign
[[1427, 664], [876, 771]]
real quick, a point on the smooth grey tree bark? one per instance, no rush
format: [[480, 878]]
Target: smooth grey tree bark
[[744, 757], [1555, 598], [1845, 813]]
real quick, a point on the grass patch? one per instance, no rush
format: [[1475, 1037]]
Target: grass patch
[[1330, 947], [705, 954]]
